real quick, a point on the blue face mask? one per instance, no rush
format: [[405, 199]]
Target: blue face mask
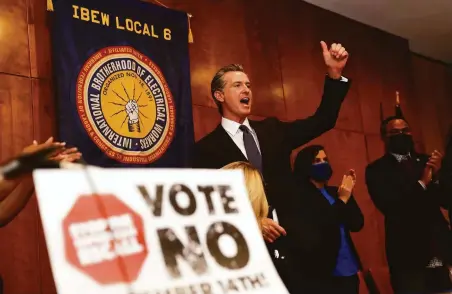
[[321, 172]]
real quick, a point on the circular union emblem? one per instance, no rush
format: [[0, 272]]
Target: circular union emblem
[[125, 105]]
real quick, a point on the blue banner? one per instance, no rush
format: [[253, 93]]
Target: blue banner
[[122, 77]]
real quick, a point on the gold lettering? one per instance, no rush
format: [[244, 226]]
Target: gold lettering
[[146, 30], [75, 15], [118, 25], [153, 34], [105, 19], [167, 34], [135, 25], [129, 24], [84, 14], [94, 15]]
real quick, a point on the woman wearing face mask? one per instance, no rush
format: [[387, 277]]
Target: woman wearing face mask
[[331, 213]]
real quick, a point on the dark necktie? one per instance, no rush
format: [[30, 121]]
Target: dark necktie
[[252, 152]]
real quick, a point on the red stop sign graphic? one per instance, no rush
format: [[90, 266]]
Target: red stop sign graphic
[[104, 239]]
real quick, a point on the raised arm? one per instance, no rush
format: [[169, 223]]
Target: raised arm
[[335, 89], [349, 214], [6, 187], [346, 210], [301, 131], [13, 202], [15, 192]]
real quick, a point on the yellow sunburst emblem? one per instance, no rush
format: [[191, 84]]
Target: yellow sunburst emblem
[[125, 105]]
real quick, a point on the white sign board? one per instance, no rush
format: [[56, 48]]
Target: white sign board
[[153, 231]]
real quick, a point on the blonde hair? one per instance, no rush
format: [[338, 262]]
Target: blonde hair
[[254, 186]]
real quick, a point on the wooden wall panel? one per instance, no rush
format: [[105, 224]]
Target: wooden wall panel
[[433, 101], [220, 39], [44, 127], [369, 80], [264, 57], [20, 264], [6, 148], [14, 51], [39, 40], [44, 109], [205, 119], [278, 44], [396, 65]]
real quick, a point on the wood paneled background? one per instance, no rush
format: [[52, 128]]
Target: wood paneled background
[[278, 43]]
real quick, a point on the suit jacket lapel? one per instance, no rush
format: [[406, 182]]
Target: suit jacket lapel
[[228, 147], [418, 162]]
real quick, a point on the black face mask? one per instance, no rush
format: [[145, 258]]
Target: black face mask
[[321, 172], [400, 144]]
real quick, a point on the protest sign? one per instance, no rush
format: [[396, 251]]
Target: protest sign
[[153, 231]]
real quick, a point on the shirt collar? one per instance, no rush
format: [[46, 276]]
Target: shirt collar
[[400, 157], [232, 127]]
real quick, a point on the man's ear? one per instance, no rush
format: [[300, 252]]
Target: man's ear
[[219, 96]]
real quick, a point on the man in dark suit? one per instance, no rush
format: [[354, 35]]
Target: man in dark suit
[[446, 171], [403, 186], [268, 144]]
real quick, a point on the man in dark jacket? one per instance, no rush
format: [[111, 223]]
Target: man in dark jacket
[[267, 144], [403, 186], [446, 171]]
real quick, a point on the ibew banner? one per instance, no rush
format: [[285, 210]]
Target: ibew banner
[[123, 82], [153, 231]]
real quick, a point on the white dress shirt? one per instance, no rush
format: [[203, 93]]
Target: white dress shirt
[[233, 129]]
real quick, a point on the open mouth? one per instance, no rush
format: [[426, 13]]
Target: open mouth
[[245, 100]]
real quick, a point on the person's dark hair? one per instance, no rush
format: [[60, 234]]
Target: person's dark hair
[[386, 121], [304, 160], [218, 82]]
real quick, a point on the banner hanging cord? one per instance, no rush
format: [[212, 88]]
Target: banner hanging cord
[[103, 212], [49, 5], [190, 34]]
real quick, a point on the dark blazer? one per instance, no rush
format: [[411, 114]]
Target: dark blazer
[[445, 175], [276, 139], [322, 223], [412, 215]]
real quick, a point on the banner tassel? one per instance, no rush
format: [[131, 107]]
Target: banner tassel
[[49, 5], [190, 34]]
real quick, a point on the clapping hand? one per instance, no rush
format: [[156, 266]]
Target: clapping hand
[[61, 153], [432, 167], [435, 161], [347, 185], [35, 147]]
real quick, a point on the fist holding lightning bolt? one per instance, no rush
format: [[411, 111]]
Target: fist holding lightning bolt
[[132, 112]]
